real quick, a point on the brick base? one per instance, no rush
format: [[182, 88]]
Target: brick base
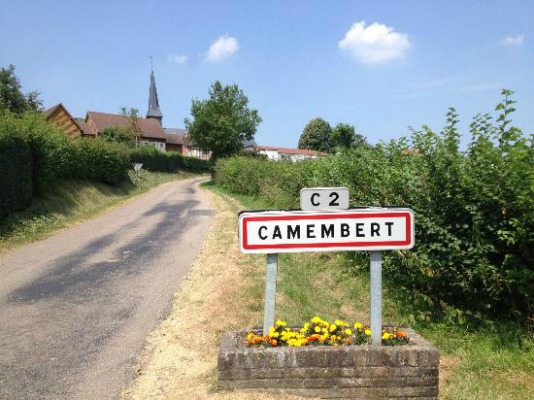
[[350, 372]]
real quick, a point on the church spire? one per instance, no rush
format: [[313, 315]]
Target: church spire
[[153, 103]]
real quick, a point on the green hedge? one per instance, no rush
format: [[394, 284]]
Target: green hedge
[[34, 154], [157, 161], [100, 161], [15, 169], [474, 251]]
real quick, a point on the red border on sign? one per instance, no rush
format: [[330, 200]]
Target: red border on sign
[[364, 215]]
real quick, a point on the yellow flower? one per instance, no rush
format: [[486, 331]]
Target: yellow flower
[[317, 329], [280, 323], [385, 336], [316, 320], [333, 327], [368, 332], [358, 325], [348, 332]]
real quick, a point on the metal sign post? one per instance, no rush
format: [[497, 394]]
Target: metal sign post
[[376, 297], [326, 224], [269, 310]]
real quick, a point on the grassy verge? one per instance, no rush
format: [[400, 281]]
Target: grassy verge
[[71, 201], [489, 361]]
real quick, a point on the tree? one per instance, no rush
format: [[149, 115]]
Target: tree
[[115, 134], [132, 130], [11, 96], [360, 140], [222, 122], [317, 135], [343, 136]]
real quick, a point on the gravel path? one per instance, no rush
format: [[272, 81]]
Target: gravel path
[[75, 308]]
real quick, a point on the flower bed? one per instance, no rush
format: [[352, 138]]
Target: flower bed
[[319, 332], [326, 370]]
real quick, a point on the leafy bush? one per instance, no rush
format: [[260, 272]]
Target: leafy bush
[[16, 166], [34, 154], [193, 164], [99, 161], [51, 150], [157, 161], [474, 208]]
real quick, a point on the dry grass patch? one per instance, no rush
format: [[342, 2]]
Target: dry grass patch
[[180, 359]]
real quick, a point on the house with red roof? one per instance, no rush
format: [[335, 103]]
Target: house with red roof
[[152, 134], [73, 127], [285, 153]]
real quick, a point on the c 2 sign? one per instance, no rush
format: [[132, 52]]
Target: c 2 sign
[[317, 199]]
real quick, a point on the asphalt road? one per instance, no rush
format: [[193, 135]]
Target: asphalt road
[[75, 309]]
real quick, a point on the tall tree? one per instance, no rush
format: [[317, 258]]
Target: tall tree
[[343, 136], [222, 122], [132, 130], [11, 96], [317, 135]]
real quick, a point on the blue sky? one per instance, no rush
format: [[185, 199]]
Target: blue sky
[[379, 65]]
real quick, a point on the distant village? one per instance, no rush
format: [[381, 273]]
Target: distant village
[[153, 133]]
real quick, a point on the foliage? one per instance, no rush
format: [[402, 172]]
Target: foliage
[[343, 136], [51, 153], [115, 134], [222, 122], [11, 96], [132, 130], [99, 161], [317, 135], [319, 332], [474, 210], [71, 200], [35, 154], [16, 167], [157, 161]]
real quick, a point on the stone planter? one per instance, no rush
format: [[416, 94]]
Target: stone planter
[[350, 372]]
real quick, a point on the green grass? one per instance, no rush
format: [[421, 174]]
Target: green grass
[[488, 360], [70, 201]]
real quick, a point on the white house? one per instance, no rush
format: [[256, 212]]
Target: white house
[[284, 153]]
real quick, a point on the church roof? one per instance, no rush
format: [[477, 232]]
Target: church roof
[[153, 102], [151, 128]]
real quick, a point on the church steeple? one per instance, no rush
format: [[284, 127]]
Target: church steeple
[[153, 103]]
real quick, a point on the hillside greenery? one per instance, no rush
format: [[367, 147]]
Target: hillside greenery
[[68, 201], [35, 154], [473, 259]]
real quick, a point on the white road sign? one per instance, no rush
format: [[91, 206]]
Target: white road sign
[[371, 229], [331, 198]]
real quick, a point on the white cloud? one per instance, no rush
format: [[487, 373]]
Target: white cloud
[[179, 59], [513, 40], [374, 44], [222, 48]]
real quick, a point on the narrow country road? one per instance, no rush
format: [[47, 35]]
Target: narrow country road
[[75, 309]]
